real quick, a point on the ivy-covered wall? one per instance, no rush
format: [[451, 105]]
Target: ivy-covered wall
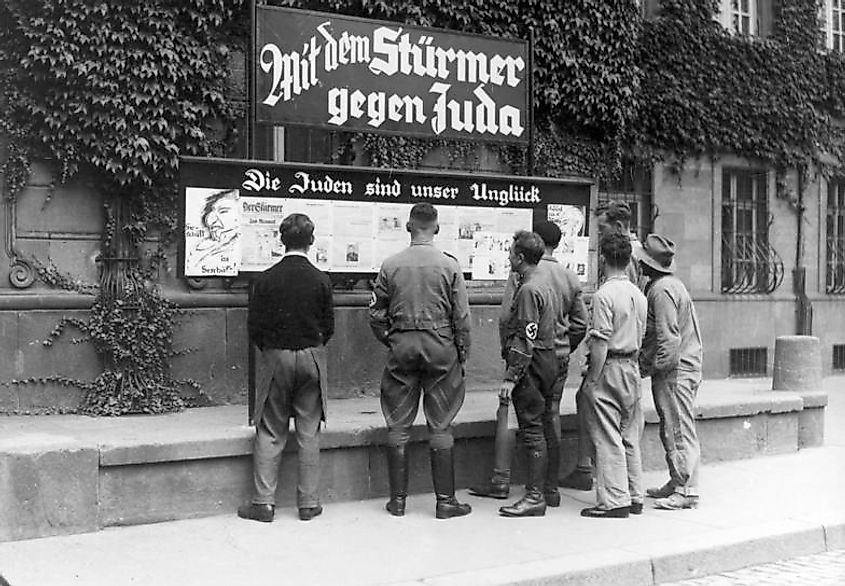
[[109, 94]]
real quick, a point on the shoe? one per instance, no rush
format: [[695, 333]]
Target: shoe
[[262, 513], [396, 506], [636, 509], [491, 490], [448, 507], [578, 479], [531, 505], [662, 492], [552, 498], [676, 501], [597, 513], [308, 513]]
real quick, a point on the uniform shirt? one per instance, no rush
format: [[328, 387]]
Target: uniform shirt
[[673, 337], [619, 315], [571, 322], [291, 306], [421, 288], [531, 324]]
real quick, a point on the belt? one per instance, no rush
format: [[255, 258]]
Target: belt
[[622, 355]]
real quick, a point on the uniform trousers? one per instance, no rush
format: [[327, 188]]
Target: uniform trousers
[[533, 399], [551, 421], [421, 363], [674, 397], [294, 392], [615, 421]]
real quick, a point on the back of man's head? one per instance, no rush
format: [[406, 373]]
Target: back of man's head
[[530, 245], [615, 211], [616, 250], [423, 216], [297, 232], [549, 232]]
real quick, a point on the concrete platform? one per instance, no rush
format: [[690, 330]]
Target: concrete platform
[[752, 511], [66, 474]]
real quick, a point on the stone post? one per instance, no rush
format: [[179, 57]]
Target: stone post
[[798, 368], [798, 364]]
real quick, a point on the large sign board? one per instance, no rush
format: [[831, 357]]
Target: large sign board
[[231, 211], [345, 73]]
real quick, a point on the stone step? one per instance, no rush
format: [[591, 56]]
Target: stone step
[[67, 474]]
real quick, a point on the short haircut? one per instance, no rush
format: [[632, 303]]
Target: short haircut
[[530, 245], [423, 214], [616, 211], [212, 200], [297, 231], [616, 249], [549, 232]]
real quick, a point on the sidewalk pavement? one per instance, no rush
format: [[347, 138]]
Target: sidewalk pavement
[[751, 512]]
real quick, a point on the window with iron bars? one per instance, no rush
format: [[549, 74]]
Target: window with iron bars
[[835, 236], [633, 186], [749, 263]]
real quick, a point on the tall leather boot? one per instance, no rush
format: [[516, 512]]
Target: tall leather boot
[[550, 491], [498, 486], [443, 475], [533, 504], [397, 474]]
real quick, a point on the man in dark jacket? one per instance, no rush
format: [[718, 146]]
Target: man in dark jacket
[[420, 311], [290, 320]]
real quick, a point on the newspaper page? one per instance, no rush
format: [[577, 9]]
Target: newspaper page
[[573, 250]]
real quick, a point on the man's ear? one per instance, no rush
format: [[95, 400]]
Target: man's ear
[[407, 226], [312, 239], [437, 229]]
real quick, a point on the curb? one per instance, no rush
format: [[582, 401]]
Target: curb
[[661, 561]]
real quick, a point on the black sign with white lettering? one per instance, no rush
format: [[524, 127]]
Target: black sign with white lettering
[[345, 73], [231, 210]]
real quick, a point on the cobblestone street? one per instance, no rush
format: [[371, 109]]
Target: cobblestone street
[[824, 569]]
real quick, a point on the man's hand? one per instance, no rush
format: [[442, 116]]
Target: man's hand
[[506, 389]]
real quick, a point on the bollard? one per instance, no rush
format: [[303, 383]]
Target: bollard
[[798, 364]]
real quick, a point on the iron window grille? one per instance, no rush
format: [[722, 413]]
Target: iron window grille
[[835, 236], [749, 263], [839, 357], [748, 361]]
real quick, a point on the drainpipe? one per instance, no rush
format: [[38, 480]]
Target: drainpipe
[[803, 307]]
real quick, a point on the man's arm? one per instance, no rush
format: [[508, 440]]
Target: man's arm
[[461, 322], [379, 307], [520, 345], [577, 318], [600, 332], [667, 332], [327, 322]]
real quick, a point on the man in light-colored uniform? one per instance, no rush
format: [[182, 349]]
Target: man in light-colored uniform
[[612, 387], [611, 218]]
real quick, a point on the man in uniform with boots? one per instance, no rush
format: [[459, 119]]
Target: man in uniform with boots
[[570, 327], [612, 387], [290, 319], [672, 353], [420, 311], [613, 217], [531, 366]]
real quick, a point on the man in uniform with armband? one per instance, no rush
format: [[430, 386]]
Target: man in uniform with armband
[[531, 366]]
